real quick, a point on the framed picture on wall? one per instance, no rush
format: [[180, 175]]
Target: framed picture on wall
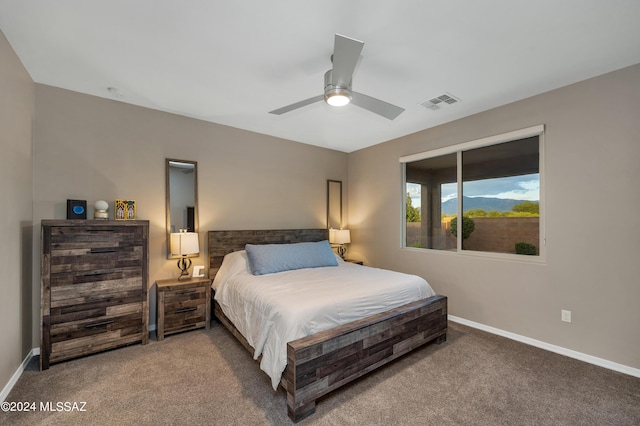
[[125, 210]]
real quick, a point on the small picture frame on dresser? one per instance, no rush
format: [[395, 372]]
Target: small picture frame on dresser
[[198, 271], [76, 209], [125, 210]]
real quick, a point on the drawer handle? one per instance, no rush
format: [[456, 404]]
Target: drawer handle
[[94, 273], [99, 324], [179, 311], [102, 250]]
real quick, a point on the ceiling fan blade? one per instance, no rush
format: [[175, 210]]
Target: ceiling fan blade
[[377, 106], [297, 105], [346, 52]]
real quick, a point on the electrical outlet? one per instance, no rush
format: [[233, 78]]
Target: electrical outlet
[[565, 316]]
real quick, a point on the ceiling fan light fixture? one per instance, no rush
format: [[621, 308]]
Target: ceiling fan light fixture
[[337, 96]]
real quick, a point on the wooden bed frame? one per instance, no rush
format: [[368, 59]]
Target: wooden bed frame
[[325, 361]]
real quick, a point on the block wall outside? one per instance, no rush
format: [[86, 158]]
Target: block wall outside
[[491, 234]]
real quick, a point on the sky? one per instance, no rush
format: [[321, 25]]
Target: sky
[[525, 187]]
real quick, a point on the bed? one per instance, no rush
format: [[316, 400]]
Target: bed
[[319, 363]]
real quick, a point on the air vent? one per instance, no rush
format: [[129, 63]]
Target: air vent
[[438, 102]]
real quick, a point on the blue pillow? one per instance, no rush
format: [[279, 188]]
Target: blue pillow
[[270, 258]]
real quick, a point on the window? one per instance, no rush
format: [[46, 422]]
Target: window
[[499, 181]]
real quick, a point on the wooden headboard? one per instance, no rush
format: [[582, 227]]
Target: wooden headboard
[[224, 242]]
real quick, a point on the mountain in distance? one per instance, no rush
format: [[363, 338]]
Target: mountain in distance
[[450, 207]]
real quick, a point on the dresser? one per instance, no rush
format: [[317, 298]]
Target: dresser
[[94, 276], [183, 305]]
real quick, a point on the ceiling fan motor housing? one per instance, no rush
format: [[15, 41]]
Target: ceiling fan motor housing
[[335, 91]]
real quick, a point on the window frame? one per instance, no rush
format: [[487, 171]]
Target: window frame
[[458, 149]]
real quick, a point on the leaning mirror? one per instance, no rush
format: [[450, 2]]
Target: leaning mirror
[[182, 199], [334, 204]]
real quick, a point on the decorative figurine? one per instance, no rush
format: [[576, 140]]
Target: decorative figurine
[[101, 208]]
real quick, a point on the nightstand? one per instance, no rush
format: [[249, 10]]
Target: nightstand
[[183, 305], [357, 262]]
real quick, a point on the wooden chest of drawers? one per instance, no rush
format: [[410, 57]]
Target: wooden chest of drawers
[[94, 278], [183, 305]]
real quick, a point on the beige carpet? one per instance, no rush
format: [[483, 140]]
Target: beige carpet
[[207, 378]]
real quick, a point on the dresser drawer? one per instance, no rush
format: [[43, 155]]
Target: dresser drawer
[[118, 326], [94, 247], [96, 285], [90, 258], [92, 307], [95, 235]]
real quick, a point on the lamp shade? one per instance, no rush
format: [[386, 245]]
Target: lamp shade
[[183, 243], [339, 236]]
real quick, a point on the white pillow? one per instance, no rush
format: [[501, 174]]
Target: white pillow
[[232, 264]]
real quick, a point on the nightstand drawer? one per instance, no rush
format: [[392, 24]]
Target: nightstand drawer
[[177, 297], [184, 318]]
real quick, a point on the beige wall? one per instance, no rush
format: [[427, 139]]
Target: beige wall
[[592, 172], [91, 148], [16, 116]]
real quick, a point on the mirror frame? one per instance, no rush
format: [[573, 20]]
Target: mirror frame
[[168, 162], [334, 191]]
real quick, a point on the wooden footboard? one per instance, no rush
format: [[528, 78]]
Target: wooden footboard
[[325, 361]]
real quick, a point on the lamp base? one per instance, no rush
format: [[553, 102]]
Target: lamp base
[[342, 250], [184, 264]]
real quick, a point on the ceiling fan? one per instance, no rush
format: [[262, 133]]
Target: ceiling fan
[[337, 83]]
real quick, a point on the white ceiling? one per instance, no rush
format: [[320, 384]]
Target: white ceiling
[[231, 62]]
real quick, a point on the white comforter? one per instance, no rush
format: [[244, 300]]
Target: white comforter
[[272, 310]]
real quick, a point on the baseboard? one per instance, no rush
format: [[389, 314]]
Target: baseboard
[[621, 368], [14, 379]]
